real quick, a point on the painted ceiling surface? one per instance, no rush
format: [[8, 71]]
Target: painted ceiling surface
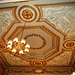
[[6, 18], [62, 17], [50, 31]]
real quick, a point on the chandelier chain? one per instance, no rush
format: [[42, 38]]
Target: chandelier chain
[[23, 31]]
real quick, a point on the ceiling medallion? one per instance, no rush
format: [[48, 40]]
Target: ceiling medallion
[[19, 47], [38, 63], [69, 44], [27, 14]]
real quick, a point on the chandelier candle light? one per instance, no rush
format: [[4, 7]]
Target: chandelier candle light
[[16, 46]]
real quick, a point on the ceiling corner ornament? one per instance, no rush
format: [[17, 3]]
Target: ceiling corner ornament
[[27, 13]]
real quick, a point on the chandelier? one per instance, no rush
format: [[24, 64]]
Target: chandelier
[[16, 46]]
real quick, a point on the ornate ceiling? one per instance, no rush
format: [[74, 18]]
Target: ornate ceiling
[[50, 31]]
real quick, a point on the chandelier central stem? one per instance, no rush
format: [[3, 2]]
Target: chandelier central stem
[[23, 31]]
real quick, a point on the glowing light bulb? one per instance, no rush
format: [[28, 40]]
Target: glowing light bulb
[[21, 52], [73, 73], [27, 46], [10, 42], [23, 41], [9, 46], [26, 50], [15, 39], [14, 50]]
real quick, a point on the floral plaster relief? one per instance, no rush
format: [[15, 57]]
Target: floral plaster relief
[[64, 58], [62, 17], [6, 18], [14, 60]]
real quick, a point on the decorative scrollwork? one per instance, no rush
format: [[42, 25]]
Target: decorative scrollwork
[[62, 17], [33, 35]]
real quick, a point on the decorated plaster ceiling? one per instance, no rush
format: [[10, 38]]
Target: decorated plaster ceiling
[[16, 60], [48, 30], [62, 17], [6, 18], [65, 58]]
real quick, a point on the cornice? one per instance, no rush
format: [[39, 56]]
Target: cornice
[[44, 69], [37, 2]]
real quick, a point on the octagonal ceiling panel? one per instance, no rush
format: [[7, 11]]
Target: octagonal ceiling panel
[[46, 41], [49, 40]]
